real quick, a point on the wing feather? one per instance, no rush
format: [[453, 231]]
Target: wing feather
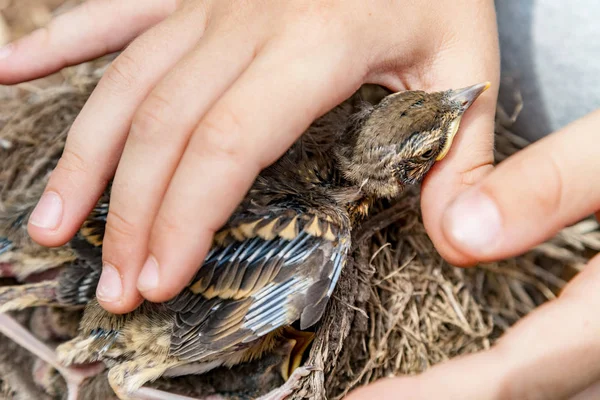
[[248, 288], [5, 245]]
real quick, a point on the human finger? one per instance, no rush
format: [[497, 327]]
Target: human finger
[[530, 196], [551, 354], [88, 31], [158, 137], [96, 139], [234, 141], [463, 59]]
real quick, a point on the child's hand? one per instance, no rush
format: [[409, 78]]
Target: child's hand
[[553, 353], [210, 92]]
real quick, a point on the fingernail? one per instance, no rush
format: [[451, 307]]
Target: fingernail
[[110, 287], [6, 50], [473, 223], [48, 212], [148, 279]]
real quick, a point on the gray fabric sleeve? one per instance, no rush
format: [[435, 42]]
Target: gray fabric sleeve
[[551, 54]]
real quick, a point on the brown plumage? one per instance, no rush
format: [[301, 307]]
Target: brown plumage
[[278, 258], [30, 147]]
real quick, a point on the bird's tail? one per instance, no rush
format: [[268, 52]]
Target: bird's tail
[[19, 297]]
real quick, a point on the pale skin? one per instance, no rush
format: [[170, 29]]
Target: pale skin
[[207, 93], [553, 353]]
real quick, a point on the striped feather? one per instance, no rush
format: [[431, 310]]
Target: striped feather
[[247, 289]]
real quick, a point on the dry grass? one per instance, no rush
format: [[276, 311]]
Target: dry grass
[[399, 307]]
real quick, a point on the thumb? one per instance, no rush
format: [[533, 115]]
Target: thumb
[[530, 196], [472, 59]]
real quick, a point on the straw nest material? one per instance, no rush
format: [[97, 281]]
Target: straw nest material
[[399, 308]]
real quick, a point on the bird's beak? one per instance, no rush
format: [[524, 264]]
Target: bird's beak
[[465, 97]]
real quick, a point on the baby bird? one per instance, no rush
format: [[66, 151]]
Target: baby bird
[[276, 261], [31, 143], [20, 257]]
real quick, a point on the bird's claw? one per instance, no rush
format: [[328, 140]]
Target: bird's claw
[[74, 376]]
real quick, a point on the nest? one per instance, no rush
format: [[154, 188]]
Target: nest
[[398, 309]]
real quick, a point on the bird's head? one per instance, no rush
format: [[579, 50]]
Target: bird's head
[[394, 143]]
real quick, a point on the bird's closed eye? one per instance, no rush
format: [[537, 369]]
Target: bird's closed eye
[[427, 155]]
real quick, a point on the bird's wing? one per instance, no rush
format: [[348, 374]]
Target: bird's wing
[[5, 244], [260, 275], [78, 282], [13, 225], [92, 229]]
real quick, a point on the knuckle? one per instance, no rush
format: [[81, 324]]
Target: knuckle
[[122, 75], [153, 116], [319, 9], [514, 384], [46, 34], [475, 172], [71, 162], [539, 179], [89, 9], [167, 226], [171, 5], [231, 12], [118, 228], [220, 135], [546, 184], [510, 385], [321, 16]]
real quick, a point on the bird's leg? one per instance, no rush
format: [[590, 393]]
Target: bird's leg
[[290, 385], [18, 297], [155, 394], [46, 376], [127, 378], [74, 376]]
